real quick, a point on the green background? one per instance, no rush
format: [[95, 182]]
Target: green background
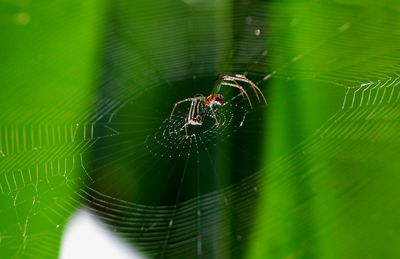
[[315, 173]]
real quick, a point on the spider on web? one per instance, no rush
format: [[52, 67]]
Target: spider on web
[[201, 104]]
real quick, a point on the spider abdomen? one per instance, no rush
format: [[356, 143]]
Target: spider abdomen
[[197, 112]]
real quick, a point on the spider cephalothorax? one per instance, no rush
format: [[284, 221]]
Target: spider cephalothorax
[[214, 99], [201, 104]]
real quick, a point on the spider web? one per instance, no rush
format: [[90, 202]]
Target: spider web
[[170, 139], [173, 195]]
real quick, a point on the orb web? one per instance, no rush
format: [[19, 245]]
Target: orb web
[[170, 139], [41, 156]]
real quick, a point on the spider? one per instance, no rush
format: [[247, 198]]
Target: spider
[[201, 105]]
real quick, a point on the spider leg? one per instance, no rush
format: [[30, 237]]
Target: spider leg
[[258, 98], [242, 91], [232, 79], [243, 78], [214, 116], [185, 127], [184, 100], [255, 87]]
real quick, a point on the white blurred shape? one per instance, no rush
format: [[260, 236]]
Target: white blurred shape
[[85, 237]]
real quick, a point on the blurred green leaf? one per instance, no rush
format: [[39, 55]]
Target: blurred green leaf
[[50, 53]]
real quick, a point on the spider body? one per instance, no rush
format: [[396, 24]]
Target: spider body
[[201, 105]]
